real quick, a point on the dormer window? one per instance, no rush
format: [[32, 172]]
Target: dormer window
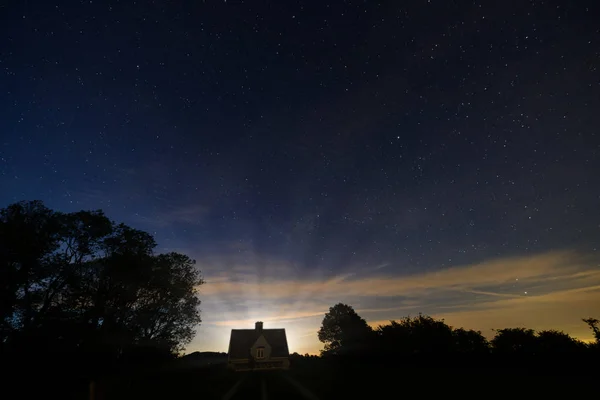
[[260, 352]]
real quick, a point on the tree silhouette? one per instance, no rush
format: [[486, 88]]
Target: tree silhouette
[[429, 341], [80, 282], [429, 335], [343, 331], [470, 342], [417, 335], [593, 324], [395, 337], [551, 342], [29, 234], [425, 335], [514, 341]]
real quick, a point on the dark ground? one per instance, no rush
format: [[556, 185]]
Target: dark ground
[[321, 379], [324, 380], [203, 383]]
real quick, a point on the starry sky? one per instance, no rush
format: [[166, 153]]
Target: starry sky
[[426, 156]]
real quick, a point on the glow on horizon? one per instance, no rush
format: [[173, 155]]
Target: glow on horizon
[[483, 296]]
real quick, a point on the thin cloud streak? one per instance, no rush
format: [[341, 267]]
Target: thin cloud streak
[[545, 268]]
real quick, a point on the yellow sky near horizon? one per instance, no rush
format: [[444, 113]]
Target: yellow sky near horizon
[[552, 290]]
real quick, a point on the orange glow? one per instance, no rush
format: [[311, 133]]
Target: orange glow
[[482, 296]]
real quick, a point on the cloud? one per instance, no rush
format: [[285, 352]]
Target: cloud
[[552, 290], [380, 266], [279, 318], [557, 268]]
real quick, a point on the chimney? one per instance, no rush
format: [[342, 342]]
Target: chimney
[[258, 326]]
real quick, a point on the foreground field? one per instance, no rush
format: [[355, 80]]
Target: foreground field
[[322, 380], [205, 383]]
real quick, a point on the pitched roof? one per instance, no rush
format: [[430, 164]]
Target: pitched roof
[[242, 340]]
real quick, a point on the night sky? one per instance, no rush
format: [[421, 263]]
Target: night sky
[[417, 156]]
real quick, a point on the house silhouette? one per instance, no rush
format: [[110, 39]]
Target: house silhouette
[[258, 348]]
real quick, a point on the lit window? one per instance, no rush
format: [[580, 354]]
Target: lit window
[[260, 352]]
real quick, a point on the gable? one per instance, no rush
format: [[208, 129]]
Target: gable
[[261, 342]]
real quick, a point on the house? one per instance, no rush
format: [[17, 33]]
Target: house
[[258, 348]]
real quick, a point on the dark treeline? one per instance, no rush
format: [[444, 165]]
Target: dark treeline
[[81, 295], [426, 341]]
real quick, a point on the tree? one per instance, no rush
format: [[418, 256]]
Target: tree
[[470, 342], [80, 282], [593, 324], [556, 342], [514, 341], [166, 315], [416, 335], [343, 331], [395, 337], [29, 234]]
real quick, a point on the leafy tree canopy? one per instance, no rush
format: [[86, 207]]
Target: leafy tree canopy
[[514, 341], [80, 281], [343, 330]]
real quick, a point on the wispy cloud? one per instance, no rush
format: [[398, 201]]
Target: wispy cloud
[[558, 268], [275, 319]]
